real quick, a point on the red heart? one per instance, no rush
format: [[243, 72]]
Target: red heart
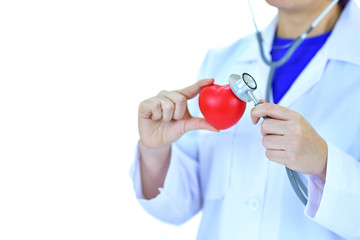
[[220, 107]]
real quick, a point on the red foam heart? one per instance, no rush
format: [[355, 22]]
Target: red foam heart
[[220, 107]]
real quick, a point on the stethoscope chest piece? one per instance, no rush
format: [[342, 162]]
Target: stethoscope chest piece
[[243, 87]]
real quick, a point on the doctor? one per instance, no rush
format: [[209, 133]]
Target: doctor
[[236, 176]]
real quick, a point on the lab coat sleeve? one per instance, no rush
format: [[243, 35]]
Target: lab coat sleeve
[[179, 199], [336, 204]]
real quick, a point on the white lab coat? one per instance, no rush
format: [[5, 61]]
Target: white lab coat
[[241, 193]]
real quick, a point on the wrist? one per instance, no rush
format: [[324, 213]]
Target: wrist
[[322, 173], [154, 157]]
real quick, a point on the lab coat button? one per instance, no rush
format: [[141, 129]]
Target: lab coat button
[[254, 204]]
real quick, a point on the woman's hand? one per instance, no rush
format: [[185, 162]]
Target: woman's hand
[[165, 118], [290, 140], [162, 120]]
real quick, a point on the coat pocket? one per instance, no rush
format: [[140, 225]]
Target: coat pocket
[[215, 159]]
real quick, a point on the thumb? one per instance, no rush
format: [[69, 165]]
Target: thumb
[[195, 123], [193, 90]]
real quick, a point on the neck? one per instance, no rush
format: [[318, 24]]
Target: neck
[[295, 22]]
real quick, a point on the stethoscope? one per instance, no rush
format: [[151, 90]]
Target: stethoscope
[[243, 87]]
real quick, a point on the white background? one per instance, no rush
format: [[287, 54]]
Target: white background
[[72, 74]]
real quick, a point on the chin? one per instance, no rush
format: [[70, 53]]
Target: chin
[[290, 5]]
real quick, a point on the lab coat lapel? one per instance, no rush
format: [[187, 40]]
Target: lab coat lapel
[[306, 80], [347, 34], [343, 34]]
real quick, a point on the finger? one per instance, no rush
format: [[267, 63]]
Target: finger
[[273, 126], [180, 103], [150, 109], [262, 101], [278, 156], [272, 110], [193, 90], [196, 123], [274, 142], [167, 108]]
